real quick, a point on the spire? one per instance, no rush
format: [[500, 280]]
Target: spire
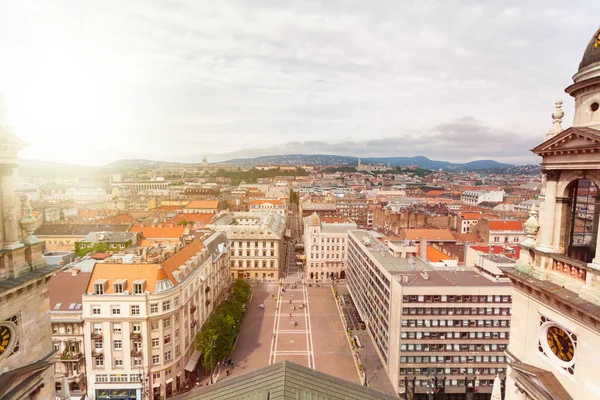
[[557, 116]]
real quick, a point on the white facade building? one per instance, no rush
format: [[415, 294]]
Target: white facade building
[[325, 244], [476, 197]]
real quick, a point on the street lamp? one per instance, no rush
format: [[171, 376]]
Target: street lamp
[[211, 360]]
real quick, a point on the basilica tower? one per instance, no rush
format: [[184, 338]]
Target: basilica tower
[[555, 326], [26, 353]]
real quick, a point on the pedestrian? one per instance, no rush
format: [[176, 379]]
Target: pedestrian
[[227, 372], [290, 315], [290, 301]]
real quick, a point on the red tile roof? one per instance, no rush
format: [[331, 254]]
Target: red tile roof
[[505, 225], [430, 234], [67, 289], [152, 273], [165, 232], [470, 215], [203, 204], [434, 255]]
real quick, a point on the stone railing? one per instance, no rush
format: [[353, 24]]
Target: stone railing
[[569, 268]]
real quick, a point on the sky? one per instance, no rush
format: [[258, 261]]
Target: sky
[[90, 82]]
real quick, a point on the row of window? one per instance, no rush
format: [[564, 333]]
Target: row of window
[[251, 253], [450, 371], [451, 359], [238, 245], [251, 264], [456, 311], [456, 299], [324, 256], [473, 323], [453, 347], [323, 248], [454, 335], [330, 240]]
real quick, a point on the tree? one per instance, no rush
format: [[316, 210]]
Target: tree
[[216, 338]]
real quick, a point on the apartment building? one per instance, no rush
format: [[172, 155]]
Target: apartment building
[[325, 241], [140, 320], [66, 316], [269, 205], [476, 197], [202, 207], [256, 243], [447, 329], [356, 209], [508, 231]]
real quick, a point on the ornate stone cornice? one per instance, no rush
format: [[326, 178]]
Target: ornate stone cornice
[[554, 296], [551, 174]]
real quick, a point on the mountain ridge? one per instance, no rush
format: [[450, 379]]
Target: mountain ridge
[[327, 159]]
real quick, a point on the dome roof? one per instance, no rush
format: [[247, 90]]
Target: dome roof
[[592, 52], [314, 220]]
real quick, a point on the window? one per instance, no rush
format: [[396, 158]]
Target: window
[[99, 362], [136, 328], [135, 310], [97, 328], [155, 359], [166, 305], [138, 288], [118, 288], [116, 310], [98, 344], [168, 356], [155, 376], [117, 327], [154, 325], [155, 342], [118, 362], [167, 339], [98, 288], [118, 345], [137, 362], [176, 301], [96, 310], [153, 308], [166, 323]]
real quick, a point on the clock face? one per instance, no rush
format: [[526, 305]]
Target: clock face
[[6, 338], [560, 343]]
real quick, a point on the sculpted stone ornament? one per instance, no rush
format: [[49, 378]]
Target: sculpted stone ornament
[[551, 175], [28, 224], [531, 227]]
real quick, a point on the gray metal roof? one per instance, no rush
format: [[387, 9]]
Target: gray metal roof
[[285, 380]]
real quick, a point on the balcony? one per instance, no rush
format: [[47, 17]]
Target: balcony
[[66, 356], [207, 303], [96, 335], [193, 324], [97, 353], [193, 308], [135, 335], [207, 290], [136, 353]]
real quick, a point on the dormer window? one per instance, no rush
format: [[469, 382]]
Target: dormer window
[[119, 286], [139, 286], [100, 286]]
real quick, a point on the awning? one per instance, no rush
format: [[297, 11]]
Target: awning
[[169, 381], [191, 364]]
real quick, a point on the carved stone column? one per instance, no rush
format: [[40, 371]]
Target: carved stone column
[[547, 214], [9, 207], [563, 205]]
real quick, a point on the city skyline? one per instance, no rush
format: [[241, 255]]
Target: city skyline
[[227, 80]]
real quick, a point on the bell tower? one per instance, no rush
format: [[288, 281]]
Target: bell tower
[[555, 323]]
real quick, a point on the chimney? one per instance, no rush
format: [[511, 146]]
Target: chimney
[[423, 248], [74, 271]]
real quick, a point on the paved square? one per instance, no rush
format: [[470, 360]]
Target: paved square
[[269, 335]]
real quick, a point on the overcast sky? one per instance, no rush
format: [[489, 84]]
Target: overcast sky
[[95, 81]]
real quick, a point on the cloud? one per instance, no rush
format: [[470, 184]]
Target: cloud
[[169, 80]]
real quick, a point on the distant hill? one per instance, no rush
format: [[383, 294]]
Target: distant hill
[[136, 163], [45, 169], [326, 159]]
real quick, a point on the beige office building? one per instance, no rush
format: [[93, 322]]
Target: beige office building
[[432, 329], [256, 243]]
